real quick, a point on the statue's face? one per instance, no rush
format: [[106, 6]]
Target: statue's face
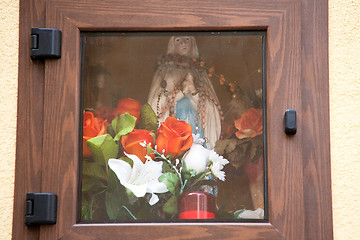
[[183, 45]]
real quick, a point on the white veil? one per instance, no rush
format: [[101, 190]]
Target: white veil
[[173, 69]]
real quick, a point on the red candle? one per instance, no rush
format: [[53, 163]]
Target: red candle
[[197, 205]]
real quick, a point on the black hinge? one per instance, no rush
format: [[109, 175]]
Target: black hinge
[[45, 43], [41, 208]]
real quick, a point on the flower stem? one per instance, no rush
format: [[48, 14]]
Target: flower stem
[[200, 178], [132, 215], [182, 187], [172, 166], [177, 172]]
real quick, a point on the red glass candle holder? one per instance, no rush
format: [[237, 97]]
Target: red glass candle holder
[[197, 205]]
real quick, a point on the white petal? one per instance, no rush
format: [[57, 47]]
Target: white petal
[[137, 169], [260, 211], [214, 158], [197, 139], [154, 199], [138, 190], [224, 161], [216, 170], [221, 175], [248, 214], [142, 178], [157, 187], [121, 168], [155, 166], [154, 172], [197, 158]]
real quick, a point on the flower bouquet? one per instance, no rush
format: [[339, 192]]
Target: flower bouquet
[[135, 169], [242, 143], [243, 146]]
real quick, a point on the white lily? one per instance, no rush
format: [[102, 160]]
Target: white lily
[[142, 178], [218, 163]]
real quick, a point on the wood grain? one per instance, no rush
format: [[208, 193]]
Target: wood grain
[[315, 126], [173, 231], [298, 166], [30, 119], [61, 120]]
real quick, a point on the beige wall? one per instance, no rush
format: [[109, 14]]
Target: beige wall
[[9, 28], [344, 51]]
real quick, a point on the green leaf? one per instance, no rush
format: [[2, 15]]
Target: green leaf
[[103, 148], [110, 130], [170, 207], [143, 209], [166, 168], [171, 180], [128, 160], [148, 119], [86, 211], [153, 136], [92, 185], [94, 170], [114, 123], [92, 201], [123, 125], [115, 198], [148, 149]]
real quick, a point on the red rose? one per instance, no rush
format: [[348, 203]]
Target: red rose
[[128, 105], [92, 127], [250, 124], [131, 143], [174, 136]]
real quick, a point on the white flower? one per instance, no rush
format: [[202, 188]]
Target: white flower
[[249, 214], [218, 163], [197, 139], [141, 178], [197, 158]]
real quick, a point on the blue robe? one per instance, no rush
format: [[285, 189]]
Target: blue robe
[[185, 111]]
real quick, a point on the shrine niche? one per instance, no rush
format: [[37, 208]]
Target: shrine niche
[[172, 120]]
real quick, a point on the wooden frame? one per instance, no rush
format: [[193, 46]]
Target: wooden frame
[[299, 189]]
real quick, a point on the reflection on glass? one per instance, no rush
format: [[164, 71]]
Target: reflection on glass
[[172, 127]]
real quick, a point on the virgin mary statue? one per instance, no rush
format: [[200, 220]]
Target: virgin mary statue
[[181, 88]]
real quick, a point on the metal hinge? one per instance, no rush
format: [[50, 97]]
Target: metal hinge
[[41, 208], [45, 43]]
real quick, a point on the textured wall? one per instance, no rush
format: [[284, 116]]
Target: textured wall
[[344, 51], [9, 28]]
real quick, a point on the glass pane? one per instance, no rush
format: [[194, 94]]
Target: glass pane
[[173, 127]]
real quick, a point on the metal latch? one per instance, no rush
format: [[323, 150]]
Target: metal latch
[[45, 43], [41, 208], [290, 121]]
